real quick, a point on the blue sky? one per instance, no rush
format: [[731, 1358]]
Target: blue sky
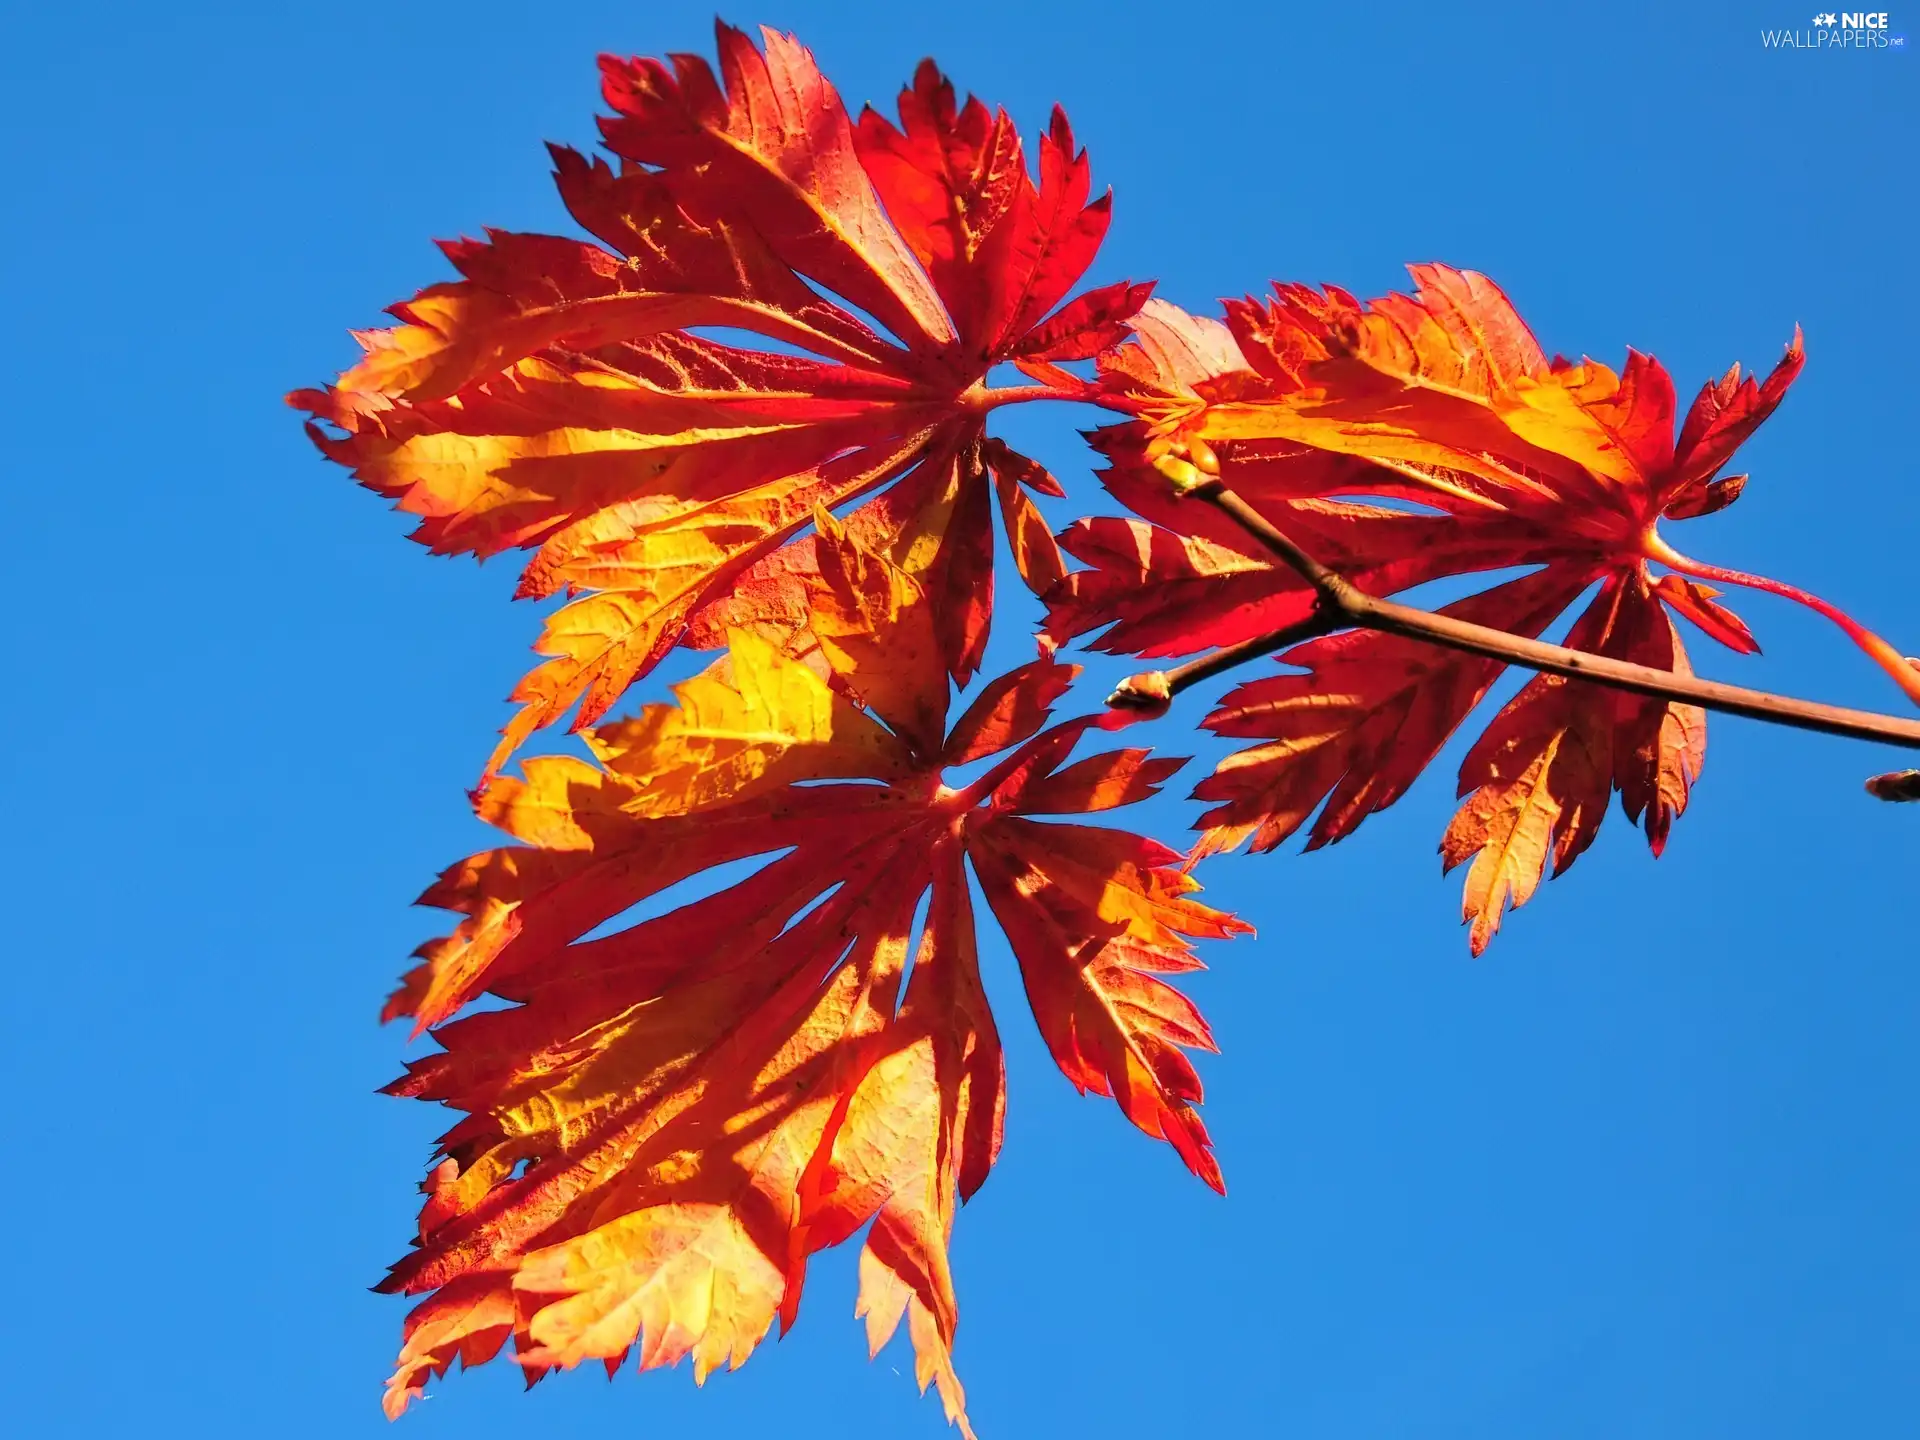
[[1647, 1169]]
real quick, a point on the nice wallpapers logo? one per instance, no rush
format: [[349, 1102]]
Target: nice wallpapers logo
[[1848, 30]]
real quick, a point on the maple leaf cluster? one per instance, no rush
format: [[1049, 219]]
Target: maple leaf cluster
[[749, 416]]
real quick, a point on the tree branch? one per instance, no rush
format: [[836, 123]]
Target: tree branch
[[1342, 604]]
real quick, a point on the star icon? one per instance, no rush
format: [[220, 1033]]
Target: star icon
[[1827, 19]]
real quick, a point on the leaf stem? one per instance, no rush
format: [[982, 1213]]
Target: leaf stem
[[1903, 672], [1139, 693], [984, 397], [1341, 604]]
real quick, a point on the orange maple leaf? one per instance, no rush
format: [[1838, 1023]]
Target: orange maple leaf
[[1316, 409], [672, 1116], [575, 397]]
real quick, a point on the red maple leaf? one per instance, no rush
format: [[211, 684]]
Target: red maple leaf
[[1399, 442], [579, 399], [671, 1117]]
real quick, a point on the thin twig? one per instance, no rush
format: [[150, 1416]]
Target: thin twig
[[1340, 603], [1138, 692]]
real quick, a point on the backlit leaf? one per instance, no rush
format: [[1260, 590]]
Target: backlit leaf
[[595, 402], [672, 1115]]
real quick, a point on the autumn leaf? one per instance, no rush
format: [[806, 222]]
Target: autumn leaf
[[674, 1113], [1400, 442], [594, 402]]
